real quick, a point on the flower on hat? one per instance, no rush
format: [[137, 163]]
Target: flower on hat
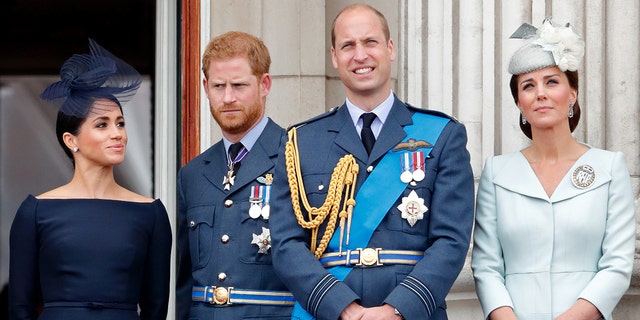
[[563, 42]]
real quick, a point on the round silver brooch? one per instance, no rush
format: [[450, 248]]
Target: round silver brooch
[[583, 176]]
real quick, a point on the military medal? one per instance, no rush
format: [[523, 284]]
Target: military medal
[[256, 202], [418, 166], [265, 207], [583, 176], [405, 161], [230, 178], [412, 164], [259, 198], [263, 241], [412, 208], [267, 180]]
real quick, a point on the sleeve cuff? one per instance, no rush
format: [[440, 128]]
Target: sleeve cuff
[[329, 298]]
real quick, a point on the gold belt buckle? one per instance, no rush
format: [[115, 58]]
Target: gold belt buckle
[[220, 295], [369, 257]]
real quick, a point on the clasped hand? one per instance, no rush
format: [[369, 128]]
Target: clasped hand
[[355, 311]]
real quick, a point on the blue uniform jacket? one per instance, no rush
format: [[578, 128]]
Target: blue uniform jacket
[[215, 231], [419, 291]]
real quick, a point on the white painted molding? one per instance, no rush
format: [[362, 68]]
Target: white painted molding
[[206, 120], [165, 140]]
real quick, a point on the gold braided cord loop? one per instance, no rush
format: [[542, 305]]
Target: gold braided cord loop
[[343, 177]]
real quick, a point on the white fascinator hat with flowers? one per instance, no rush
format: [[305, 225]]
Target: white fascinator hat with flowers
[[549, 45]]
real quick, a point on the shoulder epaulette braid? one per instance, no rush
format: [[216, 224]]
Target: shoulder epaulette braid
[[316, 118], [432, 112]]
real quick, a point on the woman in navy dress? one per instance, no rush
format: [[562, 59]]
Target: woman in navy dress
[[90, 249]]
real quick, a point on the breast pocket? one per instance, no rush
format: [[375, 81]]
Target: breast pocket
[[316, 186], [409, 209], [200, 221], [255, 245]]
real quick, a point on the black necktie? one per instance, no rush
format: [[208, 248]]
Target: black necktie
[[234, 163], [368, 139]]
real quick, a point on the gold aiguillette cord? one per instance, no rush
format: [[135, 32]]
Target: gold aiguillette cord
[[342, 182]]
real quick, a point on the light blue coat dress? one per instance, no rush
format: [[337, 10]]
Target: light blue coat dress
[[539, 254]]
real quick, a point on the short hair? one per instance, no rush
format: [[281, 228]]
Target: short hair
[[383, 20], [572, 76], [238, 44]]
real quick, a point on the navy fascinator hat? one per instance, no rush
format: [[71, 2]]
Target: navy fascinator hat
[[87, 77]]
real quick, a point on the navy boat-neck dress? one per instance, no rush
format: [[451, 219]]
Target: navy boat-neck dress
[[89, 259]]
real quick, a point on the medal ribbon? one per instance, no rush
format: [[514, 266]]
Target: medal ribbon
[[418, 160], [406, 161], [243, 152], [373, 205], [267, 194]]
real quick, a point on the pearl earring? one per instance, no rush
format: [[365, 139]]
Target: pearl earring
[[75, 149]]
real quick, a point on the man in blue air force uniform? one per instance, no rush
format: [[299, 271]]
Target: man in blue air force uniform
[[224, 247], [399, 231]]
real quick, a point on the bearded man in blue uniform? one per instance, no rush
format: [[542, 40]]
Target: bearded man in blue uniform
[[375, 217], [224, 257]]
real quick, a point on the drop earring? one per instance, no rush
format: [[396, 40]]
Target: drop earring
[[524, 120], [570, 110]]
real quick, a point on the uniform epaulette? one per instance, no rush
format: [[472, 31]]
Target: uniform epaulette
[[432, 112], [318, 117]]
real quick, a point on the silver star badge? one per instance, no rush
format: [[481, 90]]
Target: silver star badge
[[263, 241], [412, 208]]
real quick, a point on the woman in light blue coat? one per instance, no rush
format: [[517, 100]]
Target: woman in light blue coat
[[555, 222]]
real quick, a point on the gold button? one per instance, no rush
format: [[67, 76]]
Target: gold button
[[228, 203], [224, 239], [222, 276]]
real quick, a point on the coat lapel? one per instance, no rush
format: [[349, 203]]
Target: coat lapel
[[261, 157], [517, 175], [392, 131], [566, 189], [347, 137], [215, 163], [257, 162]]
